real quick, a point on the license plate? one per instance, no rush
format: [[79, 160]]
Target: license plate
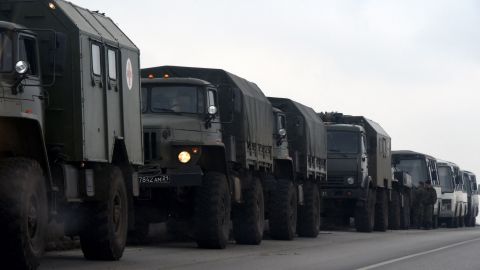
[[159, 179]]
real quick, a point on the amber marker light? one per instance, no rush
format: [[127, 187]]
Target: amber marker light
[[166, 76], [150, 76], [51, 5], [195, 150]]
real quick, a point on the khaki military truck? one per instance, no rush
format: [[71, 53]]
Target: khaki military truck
[[70, 126], [246, 117], [359, 172], [422, 168], [305, 145], [184, 179]]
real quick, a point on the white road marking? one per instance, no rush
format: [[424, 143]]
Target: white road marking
[[417, 254]]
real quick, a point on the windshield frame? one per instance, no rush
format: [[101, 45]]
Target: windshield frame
[[10, 35]]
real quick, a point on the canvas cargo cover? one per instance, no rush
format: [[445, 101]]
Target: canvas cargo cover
[[252, 119], [314, 137]]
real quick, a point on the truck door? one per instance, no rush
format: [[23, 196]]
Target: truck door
[[30, 92]]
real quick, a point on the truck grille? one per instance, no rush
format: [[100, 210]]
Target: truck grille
[[334, 179], [150, 145]]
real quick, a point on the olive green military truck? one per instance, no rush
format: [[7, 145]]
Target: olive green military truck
[[70, 129], [305, 142], [359, 179], [184, 177]]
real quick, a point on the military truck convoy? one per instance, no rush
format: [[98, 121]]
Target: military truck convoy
[[85, 143], [71, 130]]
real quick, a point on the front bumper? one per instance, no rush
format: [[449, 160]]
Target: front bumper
[[189, 176], [343, 193]]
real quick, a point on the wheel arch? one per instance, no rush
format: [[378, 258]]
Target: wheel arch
[[23, 137]]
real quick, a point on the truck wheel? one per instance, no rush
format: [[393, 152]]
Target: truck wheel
[[365, 213], [24, 213], [283, 211], [212, 212], [394, 212], [405, 214], [249, 217], [381, 210], [104, 231], [308, 224]]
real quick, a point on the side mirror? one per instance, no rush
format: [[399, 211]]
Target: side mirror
[[21, 67], [212, 110]]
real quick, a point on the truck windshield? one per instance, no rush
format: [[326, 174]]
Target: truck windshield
[[6, 52], [446, 178], [345, 142], [417, 168], [174, 98]]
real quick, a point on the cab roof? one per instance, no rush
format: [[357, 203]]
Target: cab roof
[[192, 81]]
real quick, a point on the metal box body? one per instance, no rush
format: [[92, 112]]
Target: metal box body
[[86, 112]]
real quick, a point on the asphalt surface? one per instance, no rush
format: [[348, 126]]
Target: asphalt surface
[[413, 249]]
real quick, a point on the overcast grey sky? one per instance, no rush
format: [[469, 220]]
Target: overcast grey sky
[[412, 66]]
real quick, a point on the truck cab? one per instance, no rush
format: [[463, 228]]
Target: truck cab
[[421, 167], [347, 159], [453, 195]]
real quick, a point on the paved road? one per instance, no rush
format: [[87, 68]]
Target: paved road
[[413, 249]]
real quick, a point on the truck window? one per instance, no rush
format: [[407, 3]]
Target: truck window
[[112, 64], [28, 52], [6, 53], [212, 98], [96, 61], [174, 98], [343, 142]]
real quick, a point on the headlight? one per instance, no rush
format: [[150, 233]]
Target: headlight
[[350, 180], [184, 157]]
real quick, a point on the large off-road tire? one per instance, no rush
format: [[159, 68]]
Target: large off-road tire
[[249, 216], [405, 213], [394, 213], [23, 213], [308, 224], [381, 210], [365, 213], [283, 211], [212, 212], [104, 231]]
